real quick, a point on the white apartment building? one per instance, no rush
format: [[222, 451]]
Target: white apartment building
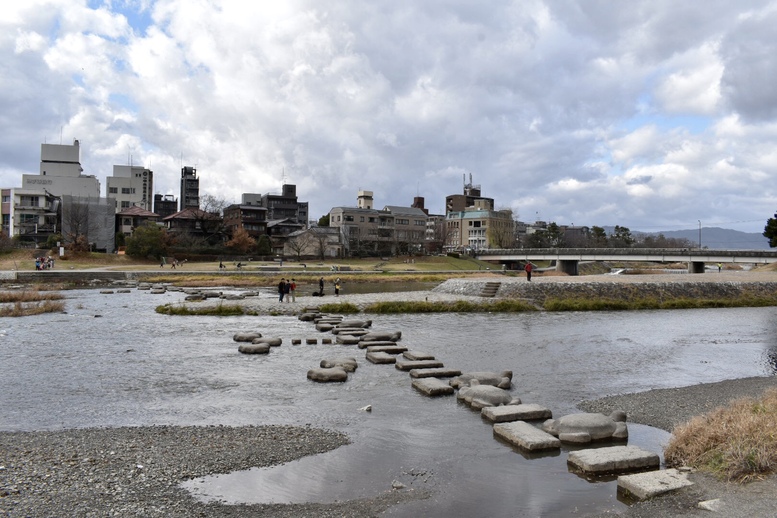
[[131, 186], [61, 173]]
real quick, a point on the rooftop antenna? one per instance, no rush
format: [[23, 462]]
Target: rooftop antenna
[[283, 176]]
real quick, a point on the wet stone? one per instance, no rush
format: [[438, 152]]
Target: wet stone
[[390, 349], [380, 358], [652, 483], [440, 372], [260, 348], [432, 387], [311, 340], [348, 364], [507, 413], [420, 364], [526, 436], [365, 345], [613, 459], [246, 336], [418, 355], [328, 375], [326, 341]]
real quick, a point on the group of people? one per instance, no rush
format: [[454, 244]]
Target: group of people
[[286, 290], [321, 287], [44, 263]]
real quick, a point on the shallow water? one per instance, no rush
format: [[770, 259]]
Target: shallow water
[[130, 366]]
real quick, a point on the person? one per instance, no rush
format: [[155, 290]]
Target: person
[[321, 286], [337, 288], [172, 265], [287, 289], [720, 267], [293, 290], [239, 266], [281, 289], [528, 269], [221, 266]]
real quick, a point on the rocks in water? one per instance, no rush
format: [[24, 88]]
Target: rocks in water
[[417, 355], [588, 427], [380, 357], [419, 364], [272, 342], [247, 336], [432, 387], [259, 348], [526, 436], [374, 343], [480, 396], [390, 349], [347, 339], [348, 364], [355, 323], [503, 380], [522, 412], [614, 459], [328, 375], [438, 372], [387, 336]]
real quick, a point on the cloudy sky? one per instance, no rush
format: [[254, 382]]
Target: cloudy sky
[[654, 114]]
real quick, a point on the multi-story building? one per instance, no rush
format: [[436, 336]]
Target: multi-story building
[[190, 189], [131, 186], [460, 202], [280, 206], [479, 227], [251, 218], [61, 173], [166, 205], [30, 214], [368, 231], [133, 217]]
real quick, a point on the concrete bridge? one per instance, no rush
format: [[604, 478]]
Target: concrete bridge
[[567, 259]]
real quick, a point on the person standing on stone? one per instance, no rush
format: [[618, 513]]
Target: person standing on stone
[[281, 288], [528, 268], [321, 286]]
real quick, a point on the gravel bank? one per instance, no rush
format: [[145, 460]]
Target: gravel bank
[[135, 472]]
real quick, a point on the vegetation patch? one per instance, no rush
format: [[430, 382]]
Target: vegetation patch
[[500, 306], [340, 307], [636, 303], [221, 310], [736, 443], [27, 296], [24, 309]]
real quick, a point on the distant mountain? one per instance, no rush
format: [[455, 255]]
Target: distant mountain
[[718, 238]]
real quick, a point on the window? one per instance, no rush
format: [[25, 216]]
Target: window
[[128, 190], [348, 218], [361, 219], [26, 219], [29, 201], [125, 205], [113, 190], [420, 222], [6, 198]]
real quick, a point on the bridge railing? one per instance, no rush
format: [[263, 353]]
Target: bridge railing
[[674, 252]]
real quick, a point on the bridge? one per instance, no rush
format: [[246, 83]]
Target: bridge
[[567, 259]]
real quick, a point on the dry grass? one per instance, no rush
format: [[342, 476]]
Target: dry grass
[[27, 296], [20, 309], [736, 443]]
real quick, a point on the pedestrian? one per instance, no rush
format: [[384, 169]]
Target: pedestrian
[[221, 266], [337, 288], [321, 286], [293, 290], [287, 290], [528, 269], [720, 267], [281, 288]]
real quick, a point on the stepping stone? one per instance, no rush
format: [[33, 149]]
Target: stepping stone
[[526, 436], [246, 337], [347, 339], [613, 459], [391, 349], [326, 341], [349, 331], [296, 341], [418, 355], [364, 345], [652, 483], [347, 364], [324, 327], [420, 364], [311, 340], [333, 374], [507, 413], [439, 372], [381, 358], [261, 348], [432, 387]]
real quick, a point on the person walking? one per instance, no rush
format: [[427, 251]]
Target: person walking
[[281, 287], [293, 290], [528, 268]]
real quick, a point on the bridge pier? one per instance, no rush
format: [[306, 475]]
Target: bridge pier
[[696, 267], [567, 266]]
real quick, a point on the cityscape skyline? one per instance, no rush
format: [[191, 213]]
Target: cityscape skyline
[[650, 115]]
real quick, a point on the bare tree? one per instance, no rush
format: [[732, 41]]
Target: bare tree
[[501, 231], [79, 226]]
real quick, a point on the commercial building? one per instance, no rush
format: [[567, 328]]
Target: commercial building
[[61, 173], [251, 218], [479, 227], [166, 205], [131, 186], [190, 189], [280, 206]]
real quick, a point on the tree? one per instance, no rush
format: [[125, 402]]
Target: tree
[[554, 236], [537, 239], [621, 237], [501, 231], [770, 231], [299, 243], [323, 221], [148, 240], [6, 243], [598, 237], [241, 241], [263, 245], [78, 224]]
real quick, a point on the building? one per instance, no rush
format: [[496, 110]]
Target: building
[[90, 219], [30, 214], [131, 186], [190, 189], [315, 242], [133, 217], [61, 173], [460, 202], [197, 223], [368, 231], [479, 227], [251, 218], [280, 206], [166, 205]]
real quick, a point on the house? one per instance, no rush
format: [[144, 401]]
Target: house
[[133, 217], [196, 222], [314, 242], [251, 218]]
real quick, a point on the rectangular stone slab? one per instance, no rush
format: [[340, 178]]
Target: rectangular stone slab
[[364, 345], [420, 364], [652, 483], [432, 387], [390, 349], [526, 436], [417, 355], [507, 413], [380, 357], [614, 459], [436, 373]]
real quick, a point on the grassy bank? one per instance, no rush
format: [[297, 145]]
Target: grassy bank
[[638, 303], [736, 443], [25, 309]]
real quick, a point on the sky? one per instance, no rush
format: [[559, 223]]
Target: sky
[[649, 114]]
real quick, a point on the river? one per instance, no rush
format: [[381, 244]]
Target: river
[[110, 360]]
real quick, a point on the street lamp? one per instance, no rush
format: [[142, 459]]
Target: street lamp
[[699, 234]]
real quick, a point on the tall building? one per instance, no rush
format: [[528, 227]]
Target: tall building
[[280, 206], [479, 227], [460, 202], [131, 186], [61, 173], [190, 188], [166, 205]]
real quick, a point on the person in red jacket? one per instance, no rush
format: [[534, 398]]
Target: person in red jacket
[[528, 269]]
